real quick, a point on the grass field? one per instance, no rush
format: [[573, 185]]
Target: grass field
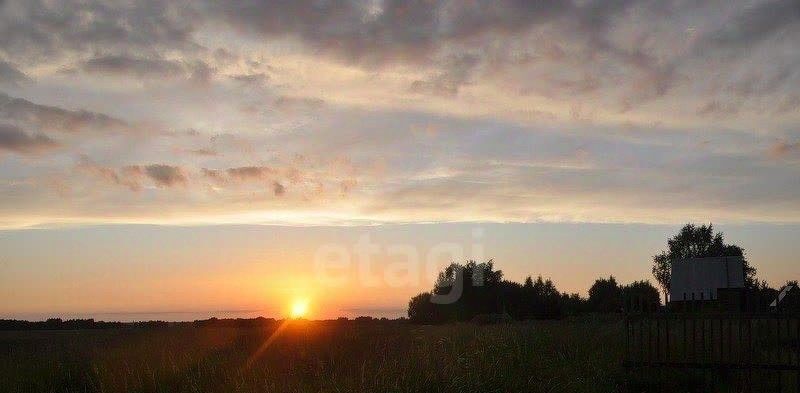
[[547, 356]]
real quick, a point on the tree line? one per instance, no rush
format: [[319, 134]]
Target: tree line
[[485, 294], [465, 291]]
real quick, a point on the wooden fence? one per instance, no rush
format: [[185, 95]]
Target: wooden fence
[[722, 352]]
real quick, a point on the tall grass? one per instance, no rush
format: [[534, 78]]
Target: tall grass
[[546, 356]]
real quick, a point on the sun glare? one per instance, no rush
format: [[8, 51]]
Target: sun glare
[[299, 309]]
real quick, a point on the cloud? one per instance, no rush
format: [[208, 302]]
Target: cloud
[[754, 25], [202, 152], [518, 102], [126, 65], [598, 52], [11, 76], [257, 79], [38, 29], [784, 149], [718, 109], [278, 189], [249, 172], [129, 177], [382, 32], [243, 175], [165, 175], [290, 103], [16, 140], [457, 72], [132, 176], [52, 118], [153, 67]]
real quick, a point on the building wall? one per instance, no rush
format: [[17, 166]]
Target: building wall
[[698, 279]]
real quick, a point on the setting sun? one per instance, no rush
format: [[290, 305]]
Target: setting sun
[[299, 309]]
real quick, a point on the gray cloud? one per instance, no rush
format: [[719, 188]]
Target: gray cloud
[[132, 176], [249, 172], [258, 79], [573, 43], [755, 24], [56, 119], [376, 33], [165, 175], [718, 109], [35, 30], [456, 73], [202, 152], [126, 65], [14, 139], [278, 189], [290, 103], [10, 75], [153, 67], [693, 65]]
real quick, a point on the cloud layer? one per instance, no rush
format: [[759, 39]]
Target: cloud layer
[[343, 111]]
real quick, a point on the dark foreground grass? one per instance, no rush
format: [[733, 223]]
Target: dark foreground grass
[[547, 356]]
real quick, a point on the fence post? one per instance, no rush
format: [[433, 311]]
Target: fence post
[[683, 338], [730, 339], [666, 338], [703, 340], [658, 338], [641, 340], [750, 349], [721, 340]]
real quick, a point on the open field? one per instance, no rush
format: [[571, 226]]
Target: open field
[[548, 356]]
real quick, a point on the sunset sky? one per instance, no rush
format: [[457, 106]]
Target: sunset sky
[[195, 156]]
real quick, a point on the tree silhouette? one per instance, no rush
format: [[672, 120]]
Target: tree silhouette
[[694, 241], [641, 296], [463, 292], [605, 295], [481, 294], [422, 310]]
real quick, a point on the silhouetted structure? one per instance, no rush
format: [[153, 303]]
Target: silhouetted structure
[[787, 300], [708, 283], [694, 242]]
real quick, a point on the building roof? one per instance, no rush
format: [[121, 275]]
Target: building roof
[[785, 291]]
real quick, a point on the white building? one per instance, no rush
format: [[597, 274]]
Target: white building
[[698, 279]]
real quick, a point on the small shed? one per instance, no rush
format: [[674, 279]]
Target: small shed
[[700, 279]]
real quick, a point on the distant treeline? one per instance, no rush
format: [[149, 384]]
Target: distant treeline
[[76, 324], [475, 291], [59, 324]]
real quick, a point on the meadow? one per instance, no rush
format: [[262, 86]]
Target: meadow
[[572, 355]]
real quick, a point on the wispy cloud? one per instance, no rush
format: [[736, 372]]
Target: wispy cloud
[[14, 139]]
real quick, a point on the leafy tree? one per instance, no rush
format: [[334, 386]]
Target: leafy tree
[[464, 291], [641, 296], [477, 286], [605, 295], [422, 310], [694, 241], [572, 304], [541, 299]]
